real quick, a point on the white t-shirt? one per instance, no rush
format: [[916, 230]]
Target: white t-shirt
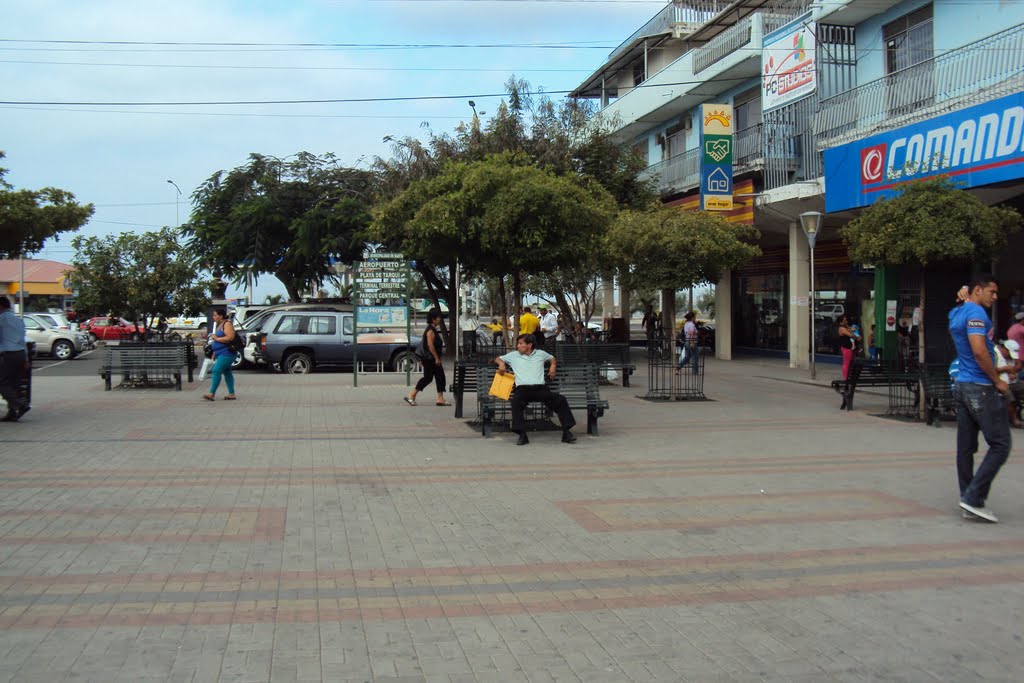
[[549, 324]]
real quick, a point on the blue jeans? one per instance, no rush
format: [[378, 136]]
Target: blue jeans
[[979, 407], [222, 368]]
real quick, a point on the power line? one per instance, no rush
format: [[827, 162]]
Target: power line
[[292, 68], [242, 114], [352, 100]]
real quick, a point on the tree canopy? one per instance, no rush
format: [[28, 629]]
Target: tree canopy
[[501, 215], [665, 248], [30, 217], [287, 218], [931, 221], [135, 274]]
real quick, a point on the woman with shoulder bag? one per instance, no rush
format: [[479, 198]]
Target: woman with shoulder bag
[[223, 337], [430, 355]]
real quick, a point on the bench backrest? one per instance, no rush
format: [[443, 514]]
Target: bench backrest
[[117, 356]]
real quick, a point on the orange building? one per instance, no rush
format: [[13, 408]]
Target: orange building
[[46, 283]]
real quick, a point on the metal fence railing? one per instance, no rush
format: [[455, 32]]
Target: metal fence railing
[[672, 377], [723, 45], [978, 72]]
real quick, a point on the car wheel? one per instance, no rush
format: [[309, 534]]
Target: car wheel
[[175, 337], [62, 350], [238, 362], [93, 339], [405, 361], [298, 363], [135, 336]]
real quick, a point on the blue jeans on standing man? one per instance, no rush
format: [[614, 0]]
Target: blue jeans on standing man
[[979, 407]]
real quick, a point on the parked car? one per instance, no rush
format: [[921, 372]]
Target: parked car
[[188, 322], [253, 324], [112, 329], [58, 320], [300, 340], [831, 311], [61, 344]]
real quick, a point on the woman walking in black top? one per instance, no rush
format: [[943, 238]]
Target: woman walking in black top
[[433, 370]]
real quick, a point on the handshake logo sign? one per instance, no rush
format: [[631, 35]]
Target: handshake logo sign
[[718, 149]]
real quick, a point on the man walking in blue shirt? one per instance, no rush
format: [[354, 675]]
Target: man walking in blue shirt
[[979, 395], [12, 360]]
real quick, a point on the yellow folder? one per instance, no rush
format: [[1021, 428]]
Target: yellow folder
[[502, 385]]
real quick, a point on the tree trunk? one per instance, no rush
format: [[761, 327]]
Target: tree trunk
[[504, 309], [922, 404], [668, 314], [517, 299]]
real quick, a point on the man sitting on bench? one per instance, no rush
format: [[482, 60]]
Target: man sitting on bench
[[527, 363]]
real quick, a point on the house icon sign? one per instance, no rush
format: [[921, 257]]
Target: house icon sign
[[719, 182]]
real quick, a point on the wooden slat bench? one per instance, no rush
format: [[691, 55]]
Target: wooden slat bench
[[578, 383], [614, 354], [145, 362]]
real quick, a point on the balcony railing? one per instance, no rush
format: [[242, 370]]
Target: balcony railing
[[692, 12], [981, 71], [681, 172], [748, 148], [723, 45]]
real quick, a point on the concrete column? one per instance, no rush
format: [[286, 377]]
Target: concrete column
[[723, 317], [608, 296], [799, 311], [624, 303]]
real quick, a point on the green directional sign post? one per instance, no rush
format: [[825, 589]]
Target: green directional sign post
[[381, 277]]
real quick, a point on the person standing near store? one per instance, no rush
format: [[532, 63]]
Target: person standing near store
[[1016, 331], [548, 328], [528, 322], [433, 369], [12, 360], [980, 398], [223, 355], [468, 324], [847, 344]]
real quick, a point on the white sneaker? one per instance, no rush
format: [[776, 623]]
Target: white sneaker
[[981, 512]]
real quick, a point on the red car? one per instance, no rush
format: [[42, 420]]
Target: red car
[[112, 328]]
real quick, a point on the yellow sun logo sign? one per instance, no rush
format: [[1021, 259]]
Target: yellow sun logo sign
[[719, 116]]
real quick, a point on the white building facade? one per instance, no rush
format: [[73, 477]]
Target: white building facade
[[834, 104]]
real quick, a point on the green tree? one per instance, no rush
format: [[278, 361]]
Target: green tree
[[930, 222], [668, 249], [136, 274], [290, 219], [30, 217], [502, 216]]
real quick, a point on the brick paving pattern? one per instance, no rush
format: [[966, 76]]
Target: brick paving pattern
[[312, 531]]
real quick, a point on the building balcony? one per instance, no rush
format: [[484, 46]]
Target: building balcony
[[677, 18], [679, 88], [985, 70]]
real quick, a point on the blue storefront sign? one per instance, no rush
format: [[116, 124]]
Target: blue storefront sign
[[977, 146]]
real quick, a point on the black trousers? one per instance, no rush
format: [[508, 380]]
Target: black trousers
[[432, 371], [539, 392], [12, 368], [469, 341]]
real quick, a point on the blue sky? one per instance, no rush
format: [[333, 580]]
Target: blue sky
[[120, 157]]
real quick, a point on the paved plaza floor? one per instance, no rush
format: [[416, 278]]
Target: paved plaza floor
[[313, 531]]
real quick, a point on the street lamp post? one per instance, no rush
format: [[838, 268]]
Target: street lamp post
[[810, 221], [177, 220]]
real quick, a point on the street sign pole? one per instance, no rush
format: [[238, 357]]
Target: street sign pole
[[408, 321], [355, 327]]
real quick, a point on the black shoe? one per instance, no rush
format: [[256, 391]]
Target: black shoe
[[523, 440], [24, 409], [568, 437]]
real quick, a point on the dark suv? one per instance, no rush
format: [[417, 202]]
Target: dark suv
[[299, 340]]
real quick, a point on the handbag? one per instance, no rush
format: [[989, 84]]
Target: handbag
[[501, 386]]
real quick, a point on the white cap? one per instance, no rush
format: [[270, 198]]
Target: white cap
[[1013, 347], [1019, 316]]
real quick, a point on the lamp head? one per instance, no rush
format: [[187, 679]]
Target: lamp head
[[810, 221]]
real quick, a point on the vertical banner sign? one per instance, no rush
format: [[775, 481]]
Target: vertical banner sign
[[716, 157], [788, 67]]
